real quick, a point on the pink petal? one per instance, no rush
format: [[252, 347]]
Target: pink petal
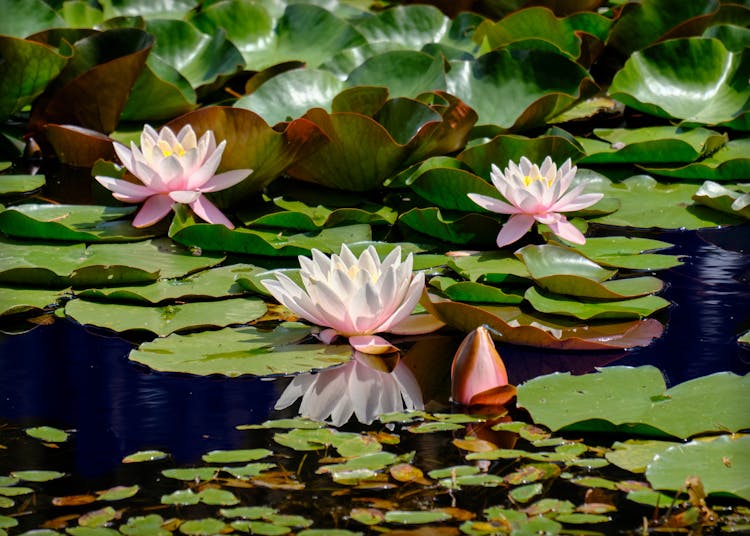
[[417, 325], [476, 367], [207, 211], [327, 335], [492, 204], [125, 190], [567, 231], [153, 210], [200, 176], [566, 204], [371, 344], [184, 197], [225, 180], [517, 226]]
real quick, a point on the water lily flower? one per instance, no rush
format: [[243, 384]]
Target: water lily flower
[[173, 168], [536, 194], [356, 297], [362, 386], [478, 374]]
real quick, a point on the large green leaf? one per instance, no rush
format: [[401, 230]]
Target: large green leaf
[[411, 26], [165, 319], [642, 23], [627, 252], [251, 144], [558, 304], [533, 85], [724, 199], [25, 17], [490, 266], [291, 94], [722, 464], [26, 70], [646, 203], [448, 188], [636, 400], [512, 325], [406, 73], [649, 145], [20, 184], [695, 80], [214, 283], [199, 57], [526, 26], [158, 9], [98, 264], [21, 300], [305, 32], [510, 147], [93, 88], [82, 223], [463, 229], [731, 162], [217, 237], [237, 351]]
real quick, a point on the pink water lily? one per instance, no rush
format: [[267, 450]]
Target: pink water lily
[[173, 168], [356, 297], [536, 194]]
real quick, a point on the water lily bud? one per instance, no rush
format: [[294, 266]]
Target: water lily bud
[[478, 371]]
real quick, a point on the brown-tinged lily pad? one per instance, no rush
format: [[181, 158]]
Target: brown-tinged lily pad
[[252, 144], [78, 146], [514, 326]]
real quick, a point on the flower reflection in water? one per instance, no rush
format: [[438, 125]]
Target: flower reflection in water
[[367, 386]]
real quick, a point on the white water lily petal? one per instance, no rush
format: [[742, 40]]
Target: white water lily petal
[[538, 193]]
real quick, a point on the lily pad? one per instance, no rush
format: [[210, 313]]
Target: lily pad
[[48, 433], [236, 351], [470, 291], [490, 266], [636, 401], [214, 283], [463, 229], [730, 162], [98, 264], [20, 184], [628, 252], [650, 145], [718, 197], [722, 465], [634, 455], [76, 223], [586, 310], [19, 300], [647, 203], [514, 326], [168, 318], [696, 80]]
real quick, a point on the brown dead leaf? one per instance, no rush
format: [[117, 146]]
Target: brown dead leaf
[[73, 500]]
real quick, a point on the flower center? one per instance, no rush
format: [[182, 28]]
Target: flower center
[[169, 150], [529, 179]]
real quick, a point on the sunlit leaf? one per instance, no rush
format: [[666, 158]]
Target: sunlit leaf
[[695, 80], [635, 454], [145, 456], [47, 433], [20, 184], [37, 476], [456, 228], [234, 456], [415, 517], [118, 493], [718, 197], [236, 351], [721, 464], [28, 17], [635, 400], [731, 162], [16, 301], [206, 526], [640, 307]]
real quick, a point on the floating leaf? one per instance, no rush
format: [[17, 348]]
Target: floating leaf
[[20, 184], [724, 199], [234, 456], [640, 307], [650, 145], [696, 80], [236, 351], [145, 456], [721, 464], [627, 252], [16, 301], [463, 229], [415, 517], [731, 162], [168, 318], [190, 473], [206, 526], [118, 493], [47, 433], [635, 400], [635, 454], [37, 476]]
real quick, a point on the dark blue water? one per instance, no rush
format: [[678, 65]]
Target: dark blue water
[[63, 375]]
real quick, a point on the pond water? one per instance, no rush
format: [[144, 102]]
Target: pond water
[[66, 376]]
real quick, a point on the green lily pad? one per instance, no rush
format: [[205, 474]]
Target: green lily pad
[[242, 240], [734, 37], [448, 188], [696, 80], [627, 252], [188, 474], [464, 229], [20, 184], [511, 147], [731, 162], [28, 66], [646, 203], [536, 85], [119, 493], [48, 433], [202, 527], [17, 300], [515, 326], [724, 199], [540, 24], [722, 465], [213, 283], [168, 318], [470, 291], [150, 525], [406, 73], [634, 455], [490, 266], [37, 476], [201, 58], [649, 145], [411, 26], [415, 517], [635, 400], [145, 456], [640, 307], [236, 351], [76, 223], [234, 456]]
